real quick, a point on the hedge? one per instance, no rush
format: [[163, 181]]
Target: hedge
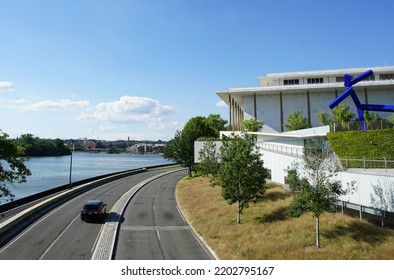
[[369, 145]]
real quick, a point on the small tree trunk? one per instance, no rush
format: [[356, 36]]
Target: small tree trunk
[[318, 232], [190, 171], [239, 213]]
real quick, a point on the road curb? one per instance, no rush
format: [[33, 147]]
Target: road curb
[[199, 238]]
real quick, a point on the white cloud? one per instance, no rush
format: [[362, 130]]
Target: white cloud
[[6, 86], [129, 109], [104, 128], [221, 104], [51, 104]]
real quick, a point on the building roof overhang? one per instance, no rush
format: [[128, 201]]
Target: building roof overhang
[[239, 93], [337, 72]]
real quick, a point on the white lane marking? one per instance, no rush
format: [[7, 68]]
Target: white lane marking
[[97, 238], [158, 235], [180, 213], [27, 230], [57, 238]]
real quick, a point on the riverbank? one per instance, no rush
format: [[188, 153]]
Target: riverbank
[[267, 231]]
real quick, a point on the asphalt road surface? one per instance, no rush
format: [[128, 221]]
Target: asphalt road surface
[[61, 235], [154, 229]]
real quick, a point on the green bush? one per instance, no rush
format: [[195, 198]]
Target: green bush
[[369, 145]]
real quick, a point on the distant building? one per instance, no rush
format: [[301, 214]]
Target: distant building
[[146, 148], [159, 148], [280, 94], [91, 145]]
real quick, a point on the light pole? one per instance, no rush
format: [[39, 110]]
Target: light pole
[[71, 164]]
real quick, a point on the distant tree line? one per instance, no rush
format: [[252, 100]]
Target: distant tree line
[[37, 147]]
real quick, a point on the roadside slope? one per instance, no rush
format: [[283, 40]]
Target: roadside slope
[[267, 232]]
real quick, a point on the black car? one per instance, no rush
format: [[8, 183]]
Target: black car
[[94, 210]]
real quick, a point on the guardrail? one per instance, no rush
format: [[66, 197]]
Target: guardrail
[[374, 215]]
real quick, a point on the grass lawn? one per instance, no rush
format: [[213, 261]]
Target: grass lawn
[[268, 232]]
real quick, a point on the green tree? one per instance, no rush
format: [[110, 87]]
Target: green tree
[[216, 124], [391, 119], [242, 174], [36, 147], [324, 118], [210, 162], [12, 167], [251, 125], [340, 115], [312, 181], [296, 121], [181, 147]]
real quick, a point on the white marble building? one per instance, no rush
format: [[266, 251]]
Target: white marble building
[[280, 94]]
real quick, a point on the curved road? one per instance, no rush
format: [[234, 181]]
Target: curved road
[[61, 235], [154, 229]]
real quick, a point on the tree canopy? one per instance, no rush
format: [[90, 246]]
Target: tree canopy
[[35, 146], [296, 121], [312, 181], [210, 162], [181, 147], [251, 125], [339, 115], [12, 167], [242, 174]]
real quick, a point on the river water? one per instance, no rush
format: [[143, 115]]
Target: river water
[[50, 172]]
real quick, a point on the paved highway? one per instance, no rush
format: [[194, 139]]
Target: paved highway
[[154, 229], [61, 235]]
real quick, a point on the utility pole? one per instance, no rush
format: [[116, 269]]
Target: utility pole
[[71, 164]]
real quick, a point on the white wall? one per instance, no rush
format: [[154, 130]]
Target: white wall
[[375, 191], [277, 163], [198, 145], [372, 190]]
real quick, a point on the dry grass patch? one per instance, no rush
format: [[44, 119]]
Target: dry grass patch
[[267, 231]]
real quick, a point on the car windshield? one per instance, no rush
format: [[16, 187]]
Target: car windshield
[[91, 207]]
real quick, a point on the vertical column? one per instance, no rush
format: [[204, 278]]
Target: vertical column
[[308, 102], [255, 106], [238, 117], [234, 112], [230, 112], [365, 96], [281, 111]]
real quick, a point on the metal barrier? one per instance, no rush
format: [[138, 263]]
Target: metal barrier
[[373, 215], [367, 163], [287, 150]]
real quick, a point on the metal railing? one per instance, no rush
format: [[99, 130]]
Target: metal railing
[[378, 216], [287, 150], [355, 125], [367, 163], [364, 163]]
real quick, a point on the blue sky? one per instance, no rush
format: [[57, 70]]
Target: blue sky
[[142, 68]]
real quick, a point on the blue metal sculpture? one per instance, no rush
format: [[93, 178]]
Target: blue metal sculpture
[[349, 81]]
